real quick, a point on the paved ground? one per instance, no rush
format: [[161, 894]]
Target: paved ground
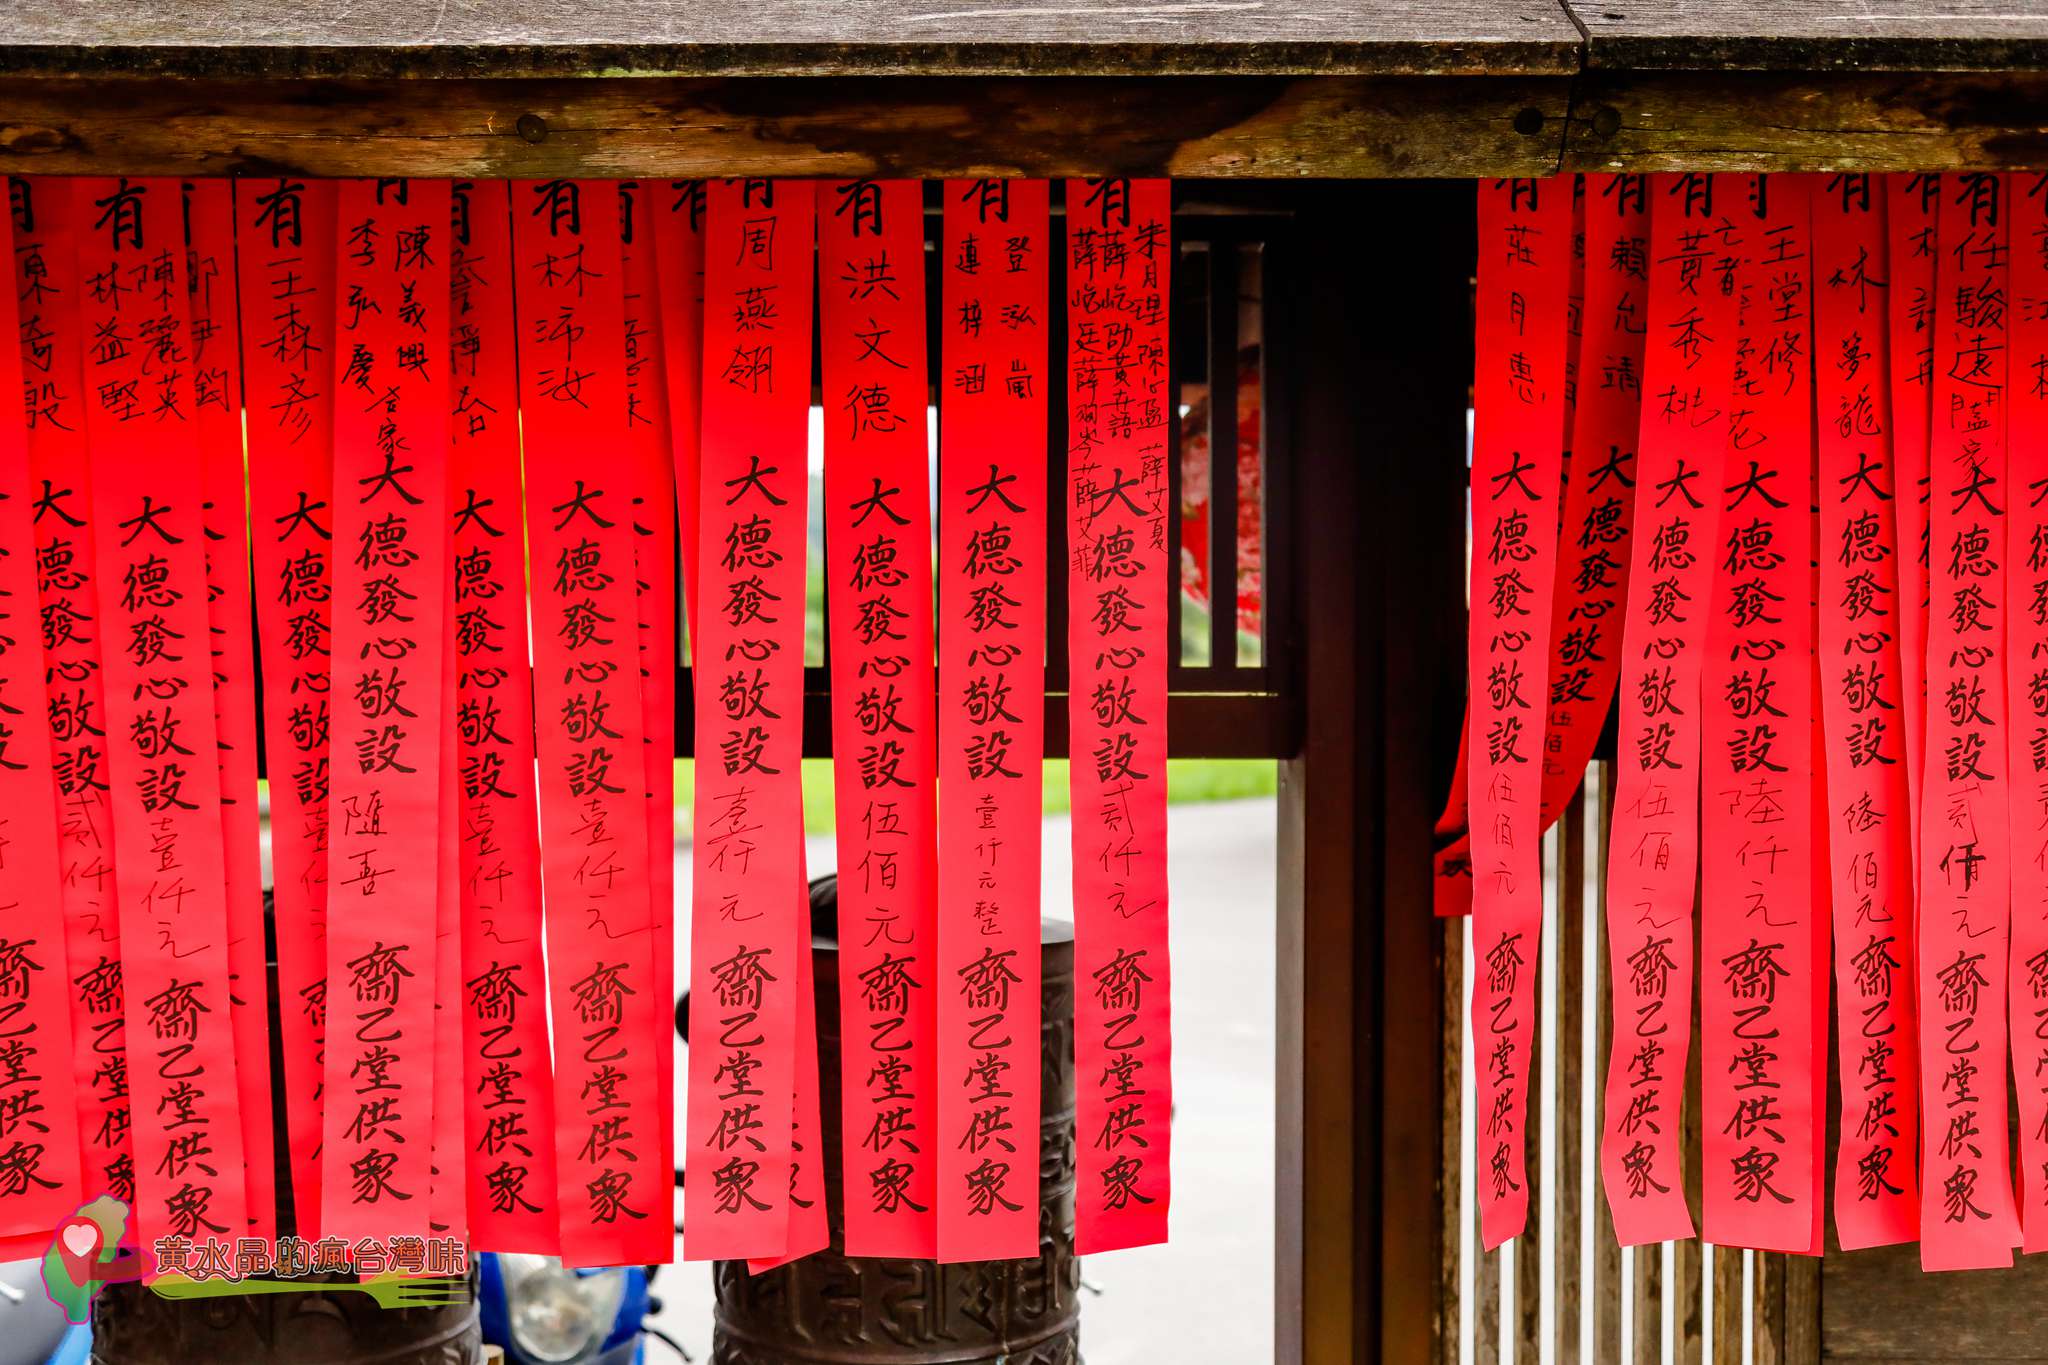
[[1206, 1297]]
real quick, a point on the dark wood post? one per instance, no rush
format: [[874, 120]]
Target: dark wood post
[[1381, 351]]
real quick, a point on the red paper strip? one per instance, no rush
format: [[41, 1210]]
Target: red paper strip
[[878, 530], [650, 450], [1763, 939], [748, 643], [390, 576], [991, 715], [285, 262], [1967, 1215], [808, 1229], [1600, 491], [2027, 677], [1910, 249], [513, 1199], [1654, 845], [678, 214], [49, 290], [448, 1193], [217, 412], [1119, 259], [39, 1100], [1605, 396], [579, 514], [150, 558], [1517, 468], [1864, 704]]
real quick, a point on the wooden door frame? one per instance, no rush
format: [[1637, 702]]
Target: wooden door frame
[[1380, 328]]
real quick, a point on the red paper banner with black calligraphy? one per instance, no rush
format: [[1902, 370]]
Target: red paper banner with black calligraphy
[[1911, 230], [39, 1099], [678, 216], [1517, 469], [1599, 504], [285, 262], [216, 360], [1968, 1218], [390, 608], [651, 456], [49, 291], [2027, 681], [1654, 845], [164, 778], [513, 1196], [993, 264], [1863, 708], [1119, 260], [1763, 940], [1600, 489], [878, 572], [615, 1196], [748, 646]]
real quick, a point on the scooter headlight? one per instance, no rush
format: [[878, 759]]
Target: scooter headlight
[[557, 1315]]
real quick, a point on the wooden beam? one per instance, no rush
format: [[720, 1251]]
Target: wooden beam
[[1769, 121], [1813, 35], [513, 38], [1188, 127]]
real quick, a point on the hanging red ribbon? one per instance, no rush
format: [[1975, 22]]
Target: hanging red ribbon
[[678, 214], [1967, 1215], [1654, 845], [2027, 678], [650, 451], [513, 1196], [1517, 468], [884, 725], [748, 644], [594, 855], [1119, 259], [285, 262], [1910, 249], [39, 1099], [49, 291], [676, 217], [1763, 940], [991, 716], [216, 360], [390, 575], [1599, 494], [150, 559], [1864, 705], [1609, 297]]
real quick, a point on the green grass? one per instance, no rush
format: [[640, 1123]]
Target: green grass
[[1187, 780]]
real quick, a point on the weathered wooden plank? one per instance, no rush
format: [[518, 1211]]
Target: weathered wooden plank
[[1190, 127], [1450, 1084], [787, 37], [1688, 1295], [1768, 1282], [1530, 1245], [1815, 35], [1607, 1287], [1877, 1304], [1649, 1299], [1573, 883], [1802, 1310], [1731, 1308], [1748, 121], [1486, 1306]]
